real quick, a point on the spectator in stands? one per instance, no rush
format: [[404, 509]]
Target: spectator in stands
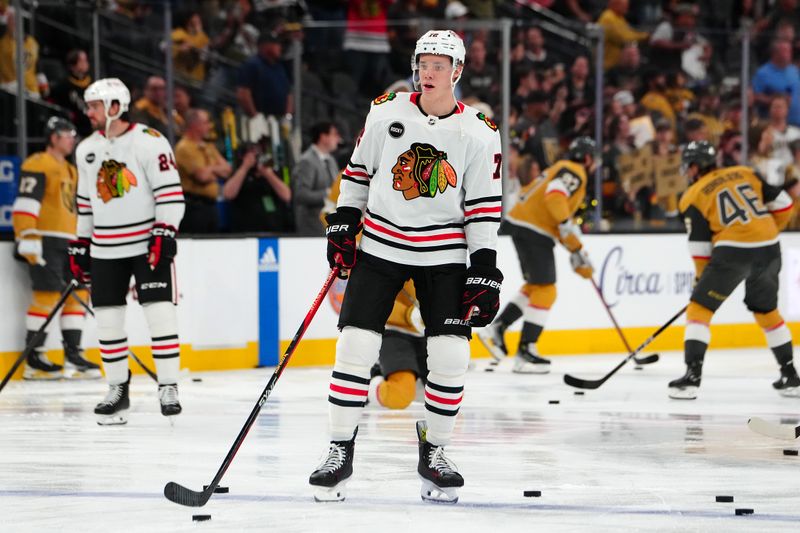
[[8, 65], [627, 74], [479, 78], [617, 31], [709, 111], [535, 131], [782, 133], [366, 45], [672, 37], [730, 146], [151, 109], [68, 93], [759, 141], [264, 85], [695, 130], [779, 76], [617, 196], [182, 100], [627, 105], [190, 48], [527, 83], [200, 166], [782, 12], [313, 177], [259, 199], [655, 99], [536, 55], [481, 9], [680, 97], [580, 88], [403, 38]]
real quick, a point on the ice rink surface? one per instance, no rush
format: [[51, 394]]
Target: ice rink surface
[[621, 458]]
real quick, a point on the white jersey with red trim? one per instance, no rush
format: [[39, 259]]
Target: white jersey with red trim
[[125, 185], [429, 187]]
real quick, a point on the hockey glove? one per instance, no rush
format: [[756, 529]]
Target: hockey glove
[[579, 260], [569, 233], [343, 226], [481, 298], [80, 262], [162, 247], [30, 248]]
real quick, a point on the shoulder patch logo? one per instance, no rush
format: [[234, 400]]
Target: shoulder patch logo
[[382, 99], [422, 170], [486, 120], [114, 180], [151, 132]]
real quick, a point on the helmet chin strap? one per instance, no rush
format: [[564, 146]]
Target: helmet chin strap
[[111, 118]]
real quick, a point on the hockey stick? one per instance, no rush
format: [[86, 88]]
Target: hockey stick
[[91, 312], [593, 384], [775, 431], [40, 333], [646, 360], [183, 496]]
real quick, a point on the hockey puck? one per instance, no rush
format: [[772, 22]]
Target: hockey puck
[[740, 512], [579, 393], [197, 380], [532, 493], [637, 367], [219, 489], [488, 369], [201, 517], [494, 363], [724, 499], [554, 402], [789, 452]]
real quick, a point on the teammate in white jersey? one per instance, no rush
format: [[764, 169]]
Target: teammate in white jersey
[[130, 203], [425, 174]]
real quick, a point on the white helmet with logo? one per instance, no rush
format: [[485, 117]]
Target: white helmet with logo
[[108, 90], [441, 43]]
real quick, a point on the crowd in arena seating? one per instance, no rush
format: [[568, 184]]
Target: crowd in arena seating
[[671, 74]]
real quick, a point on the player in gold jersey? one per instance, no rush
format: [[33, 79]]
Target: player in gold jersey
[[44, 217], [543, 216], [733, 218]]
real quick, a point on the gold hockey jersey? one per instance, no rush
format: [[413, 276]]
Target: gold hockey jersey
[[45, 203]]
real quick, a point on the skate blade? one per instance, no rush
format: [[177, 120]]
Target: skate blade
[[40, 375], [791, 392], [435, 494], [688, 393], [330, 494], [117, 419], [82, 374], [496, 353], [530, 368]]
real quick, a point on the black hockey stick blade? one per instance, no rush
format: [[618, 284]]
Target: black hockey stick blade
[[775, 431], [647, 359], [188, 497]]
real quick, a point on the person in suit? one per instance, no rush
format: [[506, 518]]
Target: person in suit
[[313, 176]]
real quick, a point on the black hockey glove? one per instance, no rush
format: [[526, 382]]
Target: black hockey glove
[[80, 262], [343, 226], [481, 299], [162, 247]]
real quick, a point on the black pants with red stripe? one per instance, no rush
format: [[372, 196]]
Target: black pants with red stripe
[[111, 281]]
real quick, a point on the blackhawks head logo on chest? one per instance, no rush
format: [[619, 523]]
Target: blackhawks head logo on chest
[[114, 180], [422, 170]]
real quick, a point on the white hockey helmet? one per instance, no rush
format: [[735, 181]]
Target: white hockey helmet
[[108, 90], [441, 43]]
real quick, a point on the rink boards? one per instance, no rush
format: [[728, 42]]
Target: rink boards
[[242, 300]]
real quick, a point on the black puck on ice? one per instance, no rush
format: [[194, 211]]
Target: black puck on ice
[[637, 367], [219, 489], [740, 512], [201, 517], [531, 493], [488, 369], [197, 380], [494, 363], [789, 452], [554, 402], [724, 499], [579, 393]]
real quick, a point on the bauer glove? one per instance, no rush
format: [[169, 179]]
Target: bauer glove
[[481, 299], [162, 247], [80, 262], [343, 226], [579, 260]]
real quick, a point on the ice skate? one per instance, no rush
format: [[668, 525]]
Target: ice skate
[[39, 368], [492, 338], [439, 475], [168, 397], [528, 361], [685, 388], [788, 384], [113, 410], [331, 476], [77, 367]]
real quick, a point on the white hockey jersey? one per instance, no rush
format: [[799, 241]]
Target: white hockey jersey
[[125, 185], [429, 187]]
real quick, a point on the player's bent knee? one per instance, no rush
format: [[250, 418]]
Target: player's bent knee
[[542, 296], [448, 355], [358, 347], [399, 389], [698, 313], [162, 318]]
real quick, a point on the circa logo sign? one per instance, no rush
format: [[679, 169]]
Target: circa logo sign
[[618, 280]]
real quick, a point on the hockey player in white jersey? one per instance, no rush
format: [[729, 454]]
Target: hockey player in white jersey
[[425, 175], [130, 203]]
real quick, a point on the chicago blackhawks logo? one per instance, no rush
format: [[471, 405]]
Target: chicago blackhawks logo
[[486, 120], [422, 171], [382, 99], [114, 180], [151, 132]]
